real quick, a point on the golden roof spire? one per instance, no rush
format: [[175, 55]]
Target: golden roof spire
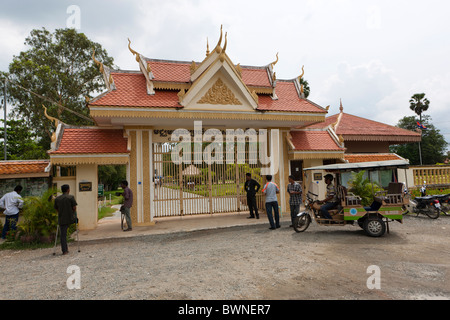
[[275, 62], [132, 51], [207, 47], [97, 62], [218, 48], [341, 108]]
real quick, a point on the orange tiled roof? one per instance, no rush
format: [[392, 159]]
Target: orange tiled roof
[[131, 89], [23, 167], [91, 140], [132, 92], [369, 157], [314, 141], [354, 128], [288, 100]]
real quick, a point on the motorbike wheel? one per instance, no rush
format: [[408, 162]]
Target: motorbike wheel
[[405, 211], [301, 223], [433, 214], [374, 227]]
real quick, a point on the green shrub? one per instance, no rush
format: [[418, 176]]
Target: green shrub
[[363, 187], [39, 219]]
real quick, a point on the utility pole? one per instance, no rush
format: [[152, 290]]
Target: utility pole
[[4, 105]]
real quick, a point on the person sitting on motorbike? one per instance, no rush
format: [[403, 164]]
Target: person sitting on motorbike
[[331, 201]]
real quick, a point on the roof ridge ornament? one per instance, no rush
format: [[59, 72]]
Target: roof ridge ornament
[[275, 62], [97, 62], [207, 47], [133, 51], [218, 49]]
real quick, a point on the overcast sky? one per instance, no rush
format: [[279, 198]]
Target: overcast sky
[[374, 55]]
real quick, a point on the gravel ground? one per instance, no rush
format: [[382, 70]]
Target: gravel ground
[[250, 262]]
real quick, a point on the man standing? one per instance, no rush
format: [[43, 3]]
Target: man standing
[[270, 190], [252, 187], [127, 203], [331, 200], [295, 198], [66, 206], [12, 203]]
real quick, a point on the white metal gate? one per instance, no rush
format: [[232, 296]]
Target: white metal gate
[[201, 188]]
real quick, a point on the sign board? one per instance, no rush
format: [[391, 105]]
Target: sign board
[[101, 190], [85, 186]]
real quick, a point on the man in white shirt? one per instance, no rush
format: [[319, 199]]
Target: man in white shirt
[[270, 190], [12, 202]]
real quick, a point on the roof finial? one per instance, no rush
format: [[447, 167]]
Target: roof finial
[[341, 108], [275, 62], [132, 51], [207, 46], [218, 49], [97, 62], [226, 42]]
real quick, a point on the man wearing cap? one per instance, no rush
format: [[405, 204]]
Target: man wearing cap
[[331, 200]]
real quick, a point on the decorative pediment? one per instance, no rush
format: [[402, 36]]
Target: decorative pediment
[[219, 93]]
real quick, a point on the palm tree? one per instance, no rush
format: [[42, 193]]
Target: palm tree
[[306, 89], [419, 104]]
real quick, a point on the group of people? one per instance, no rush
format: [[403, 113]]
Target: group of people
[[294, 189], [65, 205]]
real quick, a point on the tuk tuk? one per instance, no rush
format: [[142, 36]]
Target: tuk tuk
[[374, 219]]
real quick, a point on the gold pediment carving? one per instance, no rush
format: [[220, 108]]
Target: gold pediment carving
[[219, 93]]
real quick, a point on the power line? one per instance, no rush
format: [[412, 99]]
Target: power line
[[51, 101]]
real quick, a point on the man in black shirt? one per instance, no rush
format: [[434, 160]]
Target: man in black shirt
[[251, 186], [66, 206]]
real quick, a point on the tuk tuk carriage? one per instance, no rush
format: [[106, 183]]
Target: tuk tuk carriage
[[374, 219]]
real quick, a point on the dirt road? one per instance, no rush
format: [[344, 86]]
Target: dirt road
[[251, 262]]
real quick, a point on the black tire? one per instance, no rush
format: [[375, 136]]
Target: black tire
[[433, 214], [374, 227], [302, 223]]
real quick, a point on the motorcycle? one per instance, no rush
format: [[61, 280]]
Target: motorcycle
[[427, 205], [444, 200]]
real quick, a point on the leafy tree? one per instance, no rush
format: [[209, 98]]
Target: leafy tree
[[433, 144], [418, 103], [57, 66], [21, 143], [111, 176]]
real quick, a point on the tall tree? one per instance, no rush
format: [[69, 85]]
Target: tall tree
[[21, 144], [433, 145], [418, 103], [58, 66]]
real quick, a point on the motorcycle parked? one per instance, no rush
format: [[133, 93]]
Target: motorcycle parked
[[427, 205], [444, 200]]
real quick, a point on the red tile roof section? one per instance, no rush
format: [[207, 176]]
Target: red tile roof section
[[355, 158], [288, 100], [23, 167], [353, 125], [132, 92], [170, 71], [314, 141], [92, 140], [255, 77]]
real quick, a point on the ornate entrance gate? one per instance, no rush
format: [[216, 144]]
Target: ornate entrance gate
[[200, 188]]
